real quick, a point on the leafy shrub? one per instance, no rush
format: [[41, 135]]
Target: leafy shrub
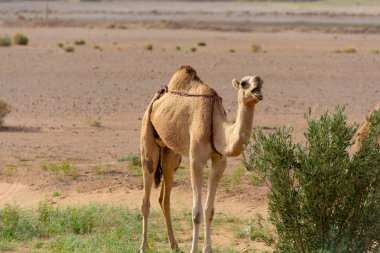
[[321, 199], [5, 41], [20, 39]]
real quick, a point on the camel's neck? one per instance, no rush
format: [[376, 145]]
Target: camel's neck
[[238, 133]]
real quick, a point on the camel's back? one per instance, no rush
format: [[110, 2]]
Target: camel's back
[[185, 79]]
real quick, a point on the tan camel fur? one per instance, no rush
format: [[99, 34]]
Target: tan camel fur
[[4, 110], [363, 132], [174, 126]]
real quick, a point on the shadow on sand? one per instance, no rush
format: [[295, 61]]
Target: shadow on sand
[[20, 129]]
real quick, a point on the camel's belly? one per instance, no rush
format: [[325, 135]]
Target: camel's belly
[[176, 122]]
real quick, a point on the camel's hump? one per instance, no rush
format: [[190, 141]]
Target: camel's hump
[[185, 79]]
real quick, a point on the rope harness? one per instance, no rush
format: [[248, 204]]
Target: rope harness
[[213, 98]]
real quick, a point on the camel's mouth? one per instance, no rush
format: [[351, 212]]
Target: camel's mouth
[[258, 94]]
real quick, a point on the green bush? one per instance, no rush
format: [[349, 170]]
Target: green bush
[[20, 39], [321, 199], [5, 41]]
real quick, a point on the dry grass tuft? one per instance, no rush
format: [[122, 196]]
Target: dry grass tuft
[[255, 48], [148, 47], [4, 110], [69, 49], [346, 50]]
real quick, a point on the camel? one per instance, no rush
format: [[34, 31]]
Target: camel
[[188, 119], [362, 133], [4, 110]]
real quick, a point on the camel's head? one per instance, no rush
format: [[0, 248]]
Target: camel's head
[[250, 89]]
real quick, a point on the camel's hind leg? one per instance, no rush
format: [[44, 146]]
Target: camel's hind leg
[[150, 153], [170, 162]]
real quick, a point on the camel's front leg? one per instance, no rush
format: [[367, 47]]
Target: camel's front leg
[[196, 169], [218, 166]]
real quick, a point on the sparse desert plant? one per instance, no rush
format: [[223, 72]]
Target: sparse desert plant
[[20, 39], [232, 50], [5, 41], [69, 49], [4, 110], [375, 51], [202, 44], [255, 48], [193, 49], [148, 47], [60, 44], [80, 42], [97, 47], [134, 161], [346, 50], [321, 199], [178, 48], [63, 169], [56, 194], [96, 121]]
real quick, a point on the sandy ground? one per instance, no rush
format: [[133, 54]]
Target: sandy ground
[[55, 95]]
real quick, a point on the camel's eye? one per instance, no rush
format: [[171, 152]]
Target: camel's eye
[[244, 84]]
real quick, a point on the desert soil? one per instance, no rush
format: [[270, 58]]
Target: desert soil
[[56, 95]]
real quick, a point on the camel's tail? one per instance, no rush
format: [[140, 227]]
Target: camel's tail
[[149, 147], [158, 173]]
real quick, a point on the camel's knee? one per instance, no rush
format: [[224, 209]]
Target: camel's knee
[[145, 207], [209, 213], [148, 165], [197, 217]]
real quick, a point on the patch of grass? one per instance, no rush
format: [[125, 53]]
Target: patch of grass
[[178, 48], [60, 44], [232, 50], [148, 47], [193, 49], [256, 229], [229, 183], [346, 50], [63, 169], [202, 44], [375, 51], [10, 169], [80, 42], [134, 162], [68, 49], [5, 41], [256, 180], [90, 228], [95, 121], [256, 48], [56, 194], [20, 39], [98, 170]]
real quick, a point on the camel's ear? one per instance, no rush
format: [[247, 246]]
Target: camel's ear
[[235, 83]]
